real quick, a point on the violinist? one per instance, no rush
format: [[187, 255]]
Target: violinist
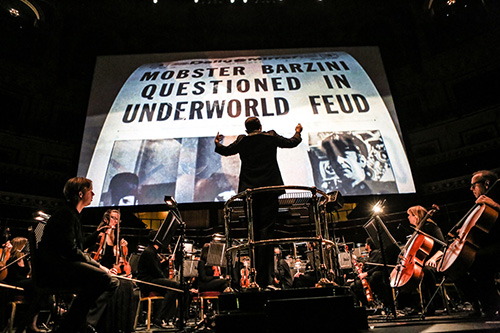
[[4, 257], [63, 263], [19, 275], [375, 276], [478, 284], [109, 253], [4, 253], [209, 279], [428, 286]]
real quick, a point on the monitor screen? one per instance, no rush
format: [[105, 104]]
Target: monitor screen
[[152, 120]]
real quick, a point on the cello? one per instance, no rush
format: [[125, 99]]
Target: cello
[[409, 270], [475, 227]]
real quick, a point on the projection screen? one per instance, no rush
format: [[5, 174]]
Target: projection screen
[[152, 120]]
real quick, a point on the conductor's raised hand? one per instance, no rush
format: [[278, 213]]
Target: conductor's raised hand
[[218, 138], [298, 128]]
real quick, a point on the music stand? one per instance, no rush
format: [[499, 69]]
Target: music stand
[[379, 233], [215, 256], [170, 227], [383, 239], [167, 230]]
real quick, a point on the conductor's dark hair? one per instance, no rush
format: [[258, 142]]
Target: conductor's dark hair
[[74, 186], [252, 124]]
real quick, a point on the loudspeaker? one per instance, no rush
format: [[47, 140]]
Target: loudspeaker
[[318, 314], [308, 314]]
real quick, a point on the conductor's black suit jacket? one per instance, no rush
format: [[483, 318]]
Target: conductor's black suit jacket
[[259, 166]]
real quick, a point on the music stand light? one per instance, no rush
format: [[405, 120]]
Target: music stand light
[[170, 202]]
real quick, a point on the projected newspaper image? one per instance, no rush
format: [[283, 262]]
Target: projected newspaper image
[[157, 138]]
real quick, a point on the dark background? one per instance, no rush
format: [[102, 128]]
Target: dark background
[[441, 59]]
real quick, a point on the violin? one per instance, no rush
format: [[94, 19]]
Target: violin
[[4, 254], [121, 265], [409, 270], [366, 286], [474, 229], [245, 282], [171, 267]]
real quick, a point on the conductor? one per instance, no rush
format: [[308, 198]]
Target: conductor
[[259, 168]]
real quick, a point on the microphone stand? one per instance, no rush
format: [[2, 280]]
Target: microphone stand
[[180, 253]]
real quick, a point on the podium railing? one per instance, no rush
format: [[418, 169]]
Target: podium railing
[[316, 202]]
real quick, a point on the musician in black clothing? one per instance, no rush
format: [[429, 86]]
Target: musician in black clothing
[[208, 280], [109, 229], [151, 268], [62, 261], [259, 168], [429, 280], [373, 272], [19, 275], [478, 284], [282, 273]]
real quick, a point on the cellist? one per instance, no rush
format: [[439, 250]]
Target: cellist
[[478, 284], [430, 228]]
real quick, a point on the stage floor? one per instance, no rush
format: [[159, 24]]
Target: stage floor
[[441, 322]]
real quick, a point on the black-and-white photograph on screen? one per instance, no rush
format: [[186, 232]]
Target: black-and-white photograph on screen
[[152, 120], [354, 163]]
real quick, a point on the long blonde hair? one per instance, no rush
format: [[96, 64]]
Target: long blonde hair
[[419, 212], [18, 245]]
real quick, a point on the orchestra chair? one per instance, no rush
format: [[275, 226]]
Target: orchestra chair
[[448, 303], [207, 296], [152, 296], [14, 304], [59, 294]]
